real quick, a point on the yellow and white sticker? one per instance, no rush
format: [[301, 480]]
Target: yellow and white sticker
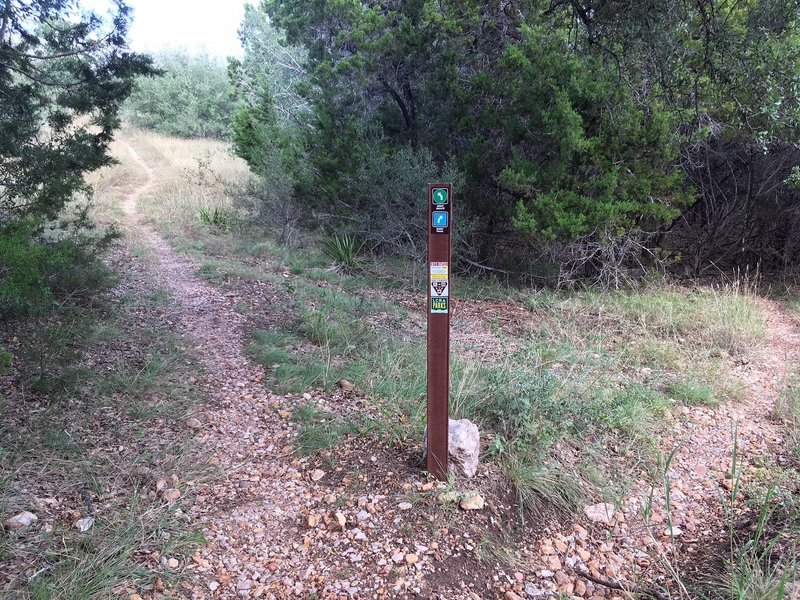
[[439, 271], [440, 288]]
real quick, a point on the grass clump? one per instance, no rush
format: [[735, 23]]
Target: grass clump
[[723, 319], [762, 525], [787, 409], [90, 430], [761, 562], [297, 367], [272, 348], [733, 321], [749, 578], [6, 361], [540, 485], [93, 564], [692, 392]]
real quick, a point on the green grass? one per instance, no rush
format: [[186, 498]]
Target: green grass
[[59, 443], [540, 486], [160, 297], [594, 370], [216, 270], [93, 564], [692, 392], [787, 409], [499, 547], [761, 562], [215, 216], [296, 366], [343, 250], [489, 288], [191, 246], [721, 319], [559, 387], [6, 361], [758, 555]]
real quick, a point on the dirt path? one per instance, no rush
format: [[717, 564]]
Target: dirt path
[[702, 473], [279, 528], [256, 516], [241, 430], [705, 461]]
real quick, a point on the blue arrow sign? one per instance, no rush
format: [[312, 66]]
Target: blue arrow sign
[[439, 219]]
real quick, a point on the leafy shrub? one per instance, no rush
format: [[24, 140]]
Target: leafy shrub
[[74, 273], [36, 272], [269, 196], [22, 282], [390, 190], [6, 362]]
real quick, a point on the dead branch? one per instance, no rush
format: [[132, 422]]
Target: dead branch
[[622, 587]]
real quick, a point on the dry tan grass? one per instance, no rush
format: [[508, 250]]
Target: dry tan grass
[[111, 184], [188, 175]]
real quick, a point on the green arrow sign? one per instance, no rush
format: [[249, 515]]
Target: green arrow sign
[[440, 196]]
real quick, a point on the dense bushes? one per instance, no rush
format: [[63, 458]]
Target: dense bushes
[[36, 273], [191, 98], [64, 75], [586, 131]]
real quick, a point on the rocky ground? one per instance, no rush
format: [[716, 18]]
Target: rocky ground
[[363, 522]]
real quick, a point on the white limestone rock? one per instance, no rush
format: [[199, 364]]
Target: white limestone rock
[[463, 446]]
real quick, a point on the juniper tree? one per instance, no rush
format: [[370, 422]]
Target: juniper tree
[[64, 74]]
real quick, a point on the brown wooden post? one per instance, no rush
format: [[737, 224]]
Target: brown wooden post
[[440, 204]]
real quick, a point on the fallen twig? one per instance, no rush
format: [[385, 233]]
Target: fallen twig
[[31, 578], [616, 585]]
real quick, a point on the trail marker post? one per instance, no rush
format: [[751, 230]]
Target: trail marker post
[[440, 204]]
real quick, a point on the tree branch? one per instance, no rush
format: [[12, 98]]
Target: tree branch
[[4, 24], [616, 585]]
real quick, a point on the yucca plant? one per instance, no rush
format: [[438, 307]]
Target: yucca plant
[[215, 216], [343, 250]]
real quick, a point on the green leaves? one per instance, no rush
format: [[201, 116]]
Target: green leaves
[[37, 272], [190, 98], [582, 155], [569, 121], [22, 283], [343, 250]]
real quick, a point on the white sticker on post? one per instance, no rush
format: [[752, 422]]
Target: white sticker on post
[[440, 289]]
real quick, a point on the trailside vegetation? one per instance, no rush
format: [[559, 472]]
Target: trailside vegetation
[[191, 98], [64, 74], [589, 131]]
